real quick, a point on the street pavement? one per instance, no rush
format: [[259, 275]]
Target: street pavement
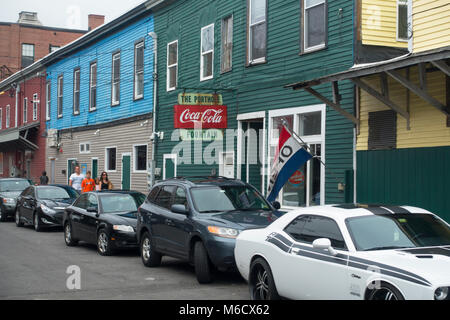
[[34, 265]]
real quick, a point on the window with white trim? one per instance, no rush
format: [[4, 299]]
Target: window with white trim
[[93, 87], [172, 65], [207, 53], [110, 158], [314, 24], [257, 31], [35, 106], [140, 157], [49, 100], [25, 110], [115, 83], [139, 70], [227, 44], [60, 97], [402, 20], [76, 91], [27, 54], [85, 147], [8, 117]]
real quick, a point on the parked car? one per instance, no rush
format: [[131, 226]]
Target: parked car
[[10, 189], [71, 191], [104, 218], [43, 206], [198, 220], [348, 252]]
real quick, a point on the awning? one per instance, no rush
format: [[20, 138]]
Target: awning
[[18, 138]]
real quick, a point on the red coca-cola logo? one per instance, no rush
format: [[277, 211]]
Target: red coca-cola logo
[[190, 117]]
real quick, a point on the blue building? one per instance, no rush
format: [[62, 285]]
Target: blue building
[[100, 102]]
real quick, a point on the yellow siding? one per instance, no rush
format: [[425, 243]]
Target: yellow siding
[[428, 125], [379, 23], [431, 24]]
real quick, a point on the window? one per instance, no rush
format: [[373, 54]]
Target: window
[[227, 44], [25, 110], [207, 53], [76, 91], [53, 48], [35, 106], [8, 117], [314, 24], [115, 87], [172, 65], [180, 197], [257, 31], [382, 130], [82, 201], [164, 198], [49, 100], [140, 158], [110, 159], [402, 20], [85, 147], [139, 70], [152, 195], [27, 54], [93, 87], [60, 96], [1, 153], [1, 119], [307, 229]]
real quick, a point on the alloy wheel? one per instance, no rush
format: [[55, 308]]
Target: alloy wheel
[[384, 294], [261, 287], [102, 242], [68, 233], [146, 249]]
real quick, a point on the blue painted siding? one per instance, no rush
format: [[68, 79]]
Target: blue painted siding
[[101, 52]]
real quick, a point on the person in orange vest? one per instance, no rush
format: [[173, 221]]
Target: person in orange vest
[[88, 183]]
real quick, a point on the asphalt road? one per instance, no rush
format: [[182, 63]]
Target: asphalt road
[[33, 265]]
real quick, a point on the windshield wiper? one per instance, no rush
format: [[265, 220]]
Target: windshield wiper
[[386, 248]]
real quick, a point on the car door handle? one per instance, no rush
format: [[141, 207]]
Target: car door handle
[[170, 222]]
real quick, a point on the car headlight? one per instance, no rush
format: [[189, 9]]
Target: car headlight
[[47, 210], [441, 293], [123, 228], [9, 201], [224, 232]]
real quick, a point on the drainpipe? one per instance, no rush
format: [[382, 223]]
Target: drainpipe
[[154, 36], [410, 26]]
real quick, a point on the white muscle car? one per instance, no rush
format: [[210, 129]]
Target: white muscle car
[[348, 252]]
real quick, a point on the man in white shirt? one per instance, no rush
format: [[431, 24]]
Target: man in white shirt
[[76, 179]]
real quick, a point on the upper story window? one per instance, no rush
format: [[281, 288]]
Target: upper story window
[[227, 44], [402, 20], [115, 83], [314, 24], [76, 91], [25, 110], [172, 65], [35, 106], [49, 101], [139, 70], [60, 96], [8, 117], [53, 48], [93, 87], [27, 54], [257, 31], [207, 53]]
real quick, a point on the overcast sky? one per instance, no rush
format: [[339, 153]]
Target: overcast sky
[[71, 14]]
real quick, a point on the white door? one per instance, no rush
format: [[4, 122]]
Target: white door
[[226, 165]]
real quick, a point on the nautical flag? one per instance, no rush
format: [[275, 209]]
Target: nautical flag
[[289, 157]]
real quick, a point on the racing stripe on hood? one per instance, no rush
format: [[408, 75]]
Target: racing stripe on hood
[[430, 251]]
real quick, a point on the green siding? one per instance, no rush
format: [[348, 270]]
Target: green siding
[[259, 87], [417, 177]]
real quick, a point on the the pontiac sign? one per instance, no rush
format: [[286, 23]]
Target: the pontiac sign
[[200, 117], [200, 99]]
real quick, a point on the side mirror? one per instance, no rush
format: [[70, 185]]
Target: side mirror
[[180, 209], [324, 244], [276, 205]]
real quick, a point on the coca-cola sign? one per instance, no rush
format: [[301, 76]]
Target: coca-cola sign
[[209, 117]]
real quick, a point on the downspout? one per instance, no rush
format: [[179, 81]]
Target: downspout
[[154, 36], [410, 27]]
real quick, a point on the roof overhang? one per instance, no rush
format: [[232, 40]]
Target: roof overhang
[[17, 138]]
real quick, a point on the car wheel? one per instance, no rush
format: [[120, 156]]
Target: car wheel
[[202, 264], [104, 245], [3, 216], [150, 258], [68, 237], [19, 222], [385, 291], [37, 222], [261, 283]]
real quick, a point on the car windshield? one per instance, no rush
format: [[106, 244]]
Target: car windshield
[[121, 202], [227, 198], [52, 193], [398, 231], [13, 185]]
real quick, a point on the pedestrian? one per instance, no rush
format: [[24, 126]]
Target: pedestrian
[[43, 179], [98, 186], [88, 183], [76, 179], [105, 183]]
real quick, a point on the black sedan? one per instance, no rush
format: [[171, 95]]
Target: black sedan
[[43, 206], [107, 219], [10, 189]]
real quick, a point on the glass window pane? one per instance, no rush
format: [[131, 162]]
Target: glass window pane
[[207, 65], [277, 125], [139, 84], [257, 11], [139, 57], [310, 3], [403, 21], [141, 157], [310, 124], [208, 39], [173, 54], [315, 26], [258, 45], [172, 77]]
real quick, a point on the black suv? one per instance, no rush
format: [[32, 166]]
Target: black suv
[[10, 190], [197, 219]]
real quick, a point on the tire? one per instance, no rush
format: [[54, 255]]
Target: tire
[[104, 245], [68, 238], [150, 258], [3, 216], [37, 222], [261, 283], [202, 264], [384, 292], [19, 223]]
